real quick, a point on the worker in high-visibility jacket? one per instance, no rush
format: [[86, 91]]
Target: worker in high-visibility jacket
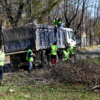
[[65, 54], [53, 52], [57, 24], [30, 59], [2, 58], [71, 50]]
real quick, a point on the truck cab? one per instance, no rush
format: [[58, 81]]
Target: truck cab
[[69, 36]]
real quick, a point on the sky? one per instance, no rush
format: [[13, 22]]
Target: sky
[[92, 7]]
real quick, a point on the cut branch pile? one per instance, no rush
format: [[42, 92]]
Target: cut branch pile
[[78, 72]]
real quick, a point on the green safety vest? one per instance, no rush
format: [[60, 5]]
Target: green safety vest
[[53, 50], [71, 50], [66, 55], [29, 58], [2, 58], [56, 22]]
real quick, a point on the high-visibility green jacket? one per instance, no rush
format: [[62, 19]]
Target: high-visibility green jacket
[[2, 58], [66, 55], [71, 50], [27, 56], [56, 22], [53, 50]]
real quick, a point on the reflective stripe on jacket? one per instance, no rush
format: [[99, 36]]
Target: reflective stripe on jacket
[[2, 58], [27, 56], [71, 50], [53, 50], [56, 22], [66, 55]]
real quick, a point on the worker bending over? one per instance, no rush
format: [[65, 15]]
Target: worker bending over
[[71, 50], [65, 54]]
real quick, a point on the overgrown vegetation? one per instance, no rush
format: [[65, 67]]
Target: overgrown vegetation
[[66, 81]]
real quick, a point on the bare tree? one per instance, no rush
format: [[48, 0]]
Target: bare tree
[[74, 9], [13, 14], [93, 18]]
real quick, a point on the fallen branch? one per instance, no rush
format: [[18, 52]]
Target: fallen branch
[[95, 87]]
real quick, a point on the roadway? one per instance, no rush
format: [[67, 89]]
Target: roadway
[[92, 53]]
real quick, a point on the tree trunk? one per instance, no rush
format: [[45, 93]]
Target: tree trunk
[[99, 38], [91, 39], [80, 39]]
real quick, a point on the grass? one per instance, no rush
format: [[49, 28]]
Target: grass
[[16, 89], [92, 60], [97, 60], [48, 92]]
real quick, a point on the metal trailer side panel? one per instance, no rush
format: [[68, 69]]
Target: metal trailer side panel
[[18, 39], [23, 38], [45, 38]]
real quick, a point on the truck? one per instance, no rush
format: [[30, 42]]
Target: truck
[[17, 41]]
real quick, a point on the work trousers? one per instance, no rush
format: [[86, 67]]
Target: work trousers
[[53, 59], [1, 72], [55, 31], [30, 65]]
